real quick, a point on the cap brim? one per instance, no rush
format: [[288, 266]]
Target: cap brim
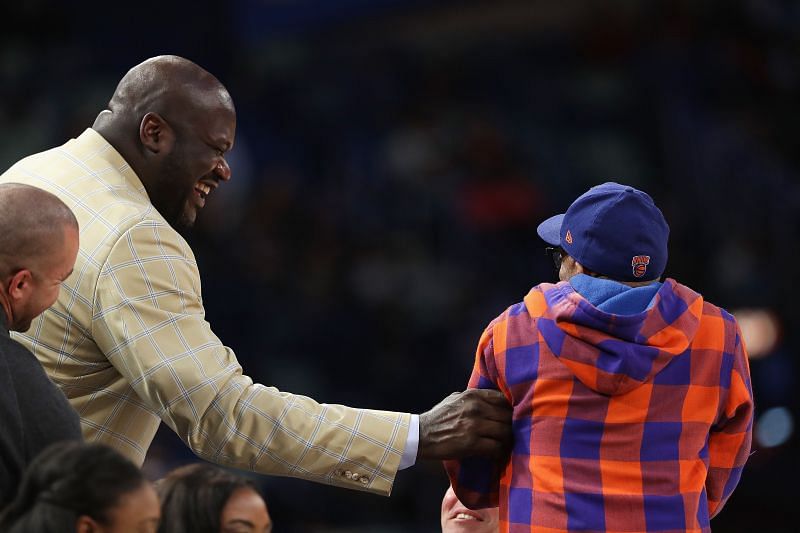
[[550, 230]]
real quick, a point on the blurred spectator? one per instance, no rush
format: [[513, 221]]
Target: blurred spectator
[[205, 498], [82, 488], [456, 518]]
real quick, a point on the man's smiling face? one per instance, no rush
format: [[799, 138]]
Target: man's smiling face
[[195, 166]]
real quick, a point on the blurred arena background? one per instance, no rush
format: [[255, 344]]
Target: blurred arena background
[[393, 158]]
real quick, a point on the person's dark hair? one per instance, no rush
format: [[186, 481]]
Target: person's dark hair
[[68, 480], [192, 497]]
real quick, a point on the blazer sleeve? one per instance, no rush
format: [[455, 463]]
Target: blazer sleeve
[[150, 323]]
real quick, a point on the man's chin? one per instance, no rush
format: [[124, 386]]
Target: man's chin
[[185, 221], [22, 327]]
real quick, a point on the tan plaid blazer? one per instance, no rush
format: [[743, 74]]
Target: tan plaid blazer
[[128, 343]]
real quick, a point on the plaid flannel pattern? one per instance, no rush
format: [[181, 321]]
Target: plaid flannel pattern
[[128, 343], [663, 456]]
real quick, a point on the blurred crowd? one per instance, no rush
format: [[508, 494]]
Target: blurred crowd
[[390, 169]]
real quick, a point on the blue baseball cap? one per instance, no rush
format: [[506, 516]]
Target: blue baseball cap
[[613, 230]]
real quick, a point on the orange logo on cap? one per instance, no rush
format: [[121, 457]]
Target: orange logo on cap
[[568, 238], [639, 264]]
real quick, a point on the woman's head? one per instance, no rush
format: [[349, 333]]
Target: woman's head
[[206, 498], [88, 488]]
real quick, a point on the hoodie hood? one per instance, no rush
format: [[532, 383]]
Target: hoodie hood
[[615, 353]]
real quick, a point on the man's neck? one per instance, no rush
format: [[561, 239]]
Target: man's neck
[[109, 126], [5, 314], [632, 284]]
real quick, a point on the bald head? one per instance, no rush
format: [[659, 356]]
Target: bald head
[[172, 121], [32, 223], [38, 248], [168, 85]]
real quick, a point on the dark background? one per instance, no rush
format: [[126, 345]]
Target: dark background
[[392, 161]]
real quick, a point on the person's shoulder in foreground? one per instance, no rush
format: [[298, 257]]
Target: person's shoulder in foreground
[[38, 245], [128, 341], [632, 401]]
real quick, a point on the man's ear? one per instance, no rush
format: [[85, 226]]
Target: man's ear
[[580, 269], [572, 266], [19, 284], [86, 525], [156, 134]]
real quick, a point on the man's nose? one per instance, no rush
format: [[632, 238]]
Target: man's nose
[[223, 171]]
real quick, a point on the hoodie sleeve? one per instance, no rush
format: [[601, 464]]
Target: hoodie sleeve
[[476, 480], [730, 438]]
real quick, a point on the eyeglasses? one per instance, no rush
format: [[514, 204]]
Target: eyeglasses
[[556, 253]]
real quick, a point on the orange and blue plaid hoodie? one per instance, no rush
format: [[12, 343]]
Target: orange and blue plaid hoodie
[[623, 422]]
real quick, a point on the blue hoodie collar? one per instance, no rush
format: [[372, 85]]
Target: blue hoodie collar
[[614, 297]]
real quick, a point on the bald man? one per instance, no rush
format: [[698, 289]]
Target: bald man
[[38, 245], [128, 342]]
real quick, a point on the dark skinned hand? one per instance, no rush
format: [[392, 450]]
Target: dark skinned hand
[[465, 424]]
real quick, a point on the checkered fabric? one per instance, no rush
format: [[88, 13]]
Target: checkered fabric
[[635, 423], [128, 344]]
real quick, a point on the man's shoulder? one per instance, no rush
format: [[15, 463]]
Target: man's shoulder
[[10, 347], [153, 238], [102, 190], [709, 309], [46, 413], [522, 311], [89, 176], [20, 361]]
